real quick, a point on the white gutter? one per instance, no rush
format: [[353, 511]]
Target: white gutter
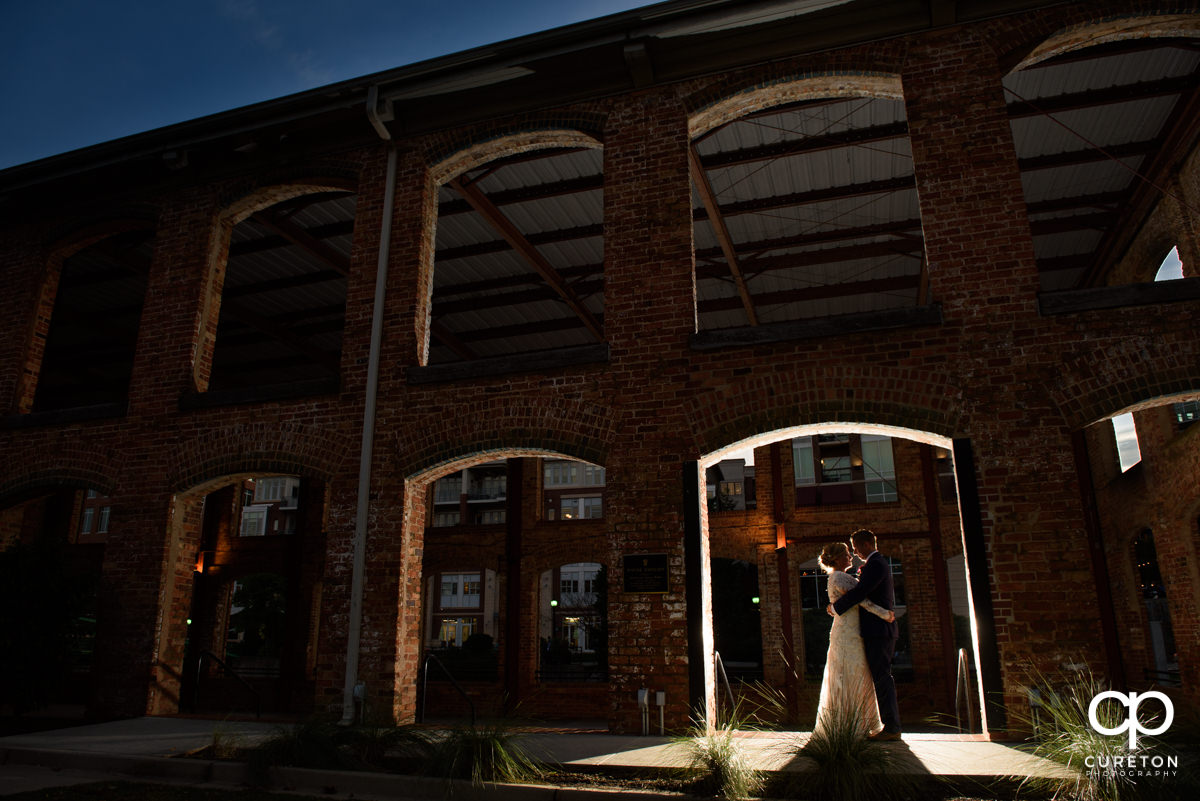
[[367, 450]]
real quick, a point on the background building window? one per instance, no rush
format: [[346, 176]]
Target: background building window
[[254, 521], [460, 591], [584, 508]]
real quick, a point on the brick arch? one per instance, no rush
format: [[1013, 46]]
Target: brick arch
[[503, 428], [283, 448], [1127, 376], [40, 480], [708, 111], [244, 201], [459, 156], [912, 400], [63, 244], [1090, 31]]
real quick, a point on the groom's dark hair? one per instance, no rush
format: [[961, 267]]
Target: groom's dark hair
[[864, 536]]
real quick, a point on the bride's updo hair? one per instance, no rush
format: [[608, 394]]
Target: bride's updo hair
[[831, 554]]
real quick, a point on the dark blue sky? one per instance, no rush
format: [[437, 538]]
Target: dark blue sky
[[77, 72]]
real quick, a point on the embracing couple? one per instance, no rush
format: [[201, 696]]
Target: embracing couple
[[858, 688]]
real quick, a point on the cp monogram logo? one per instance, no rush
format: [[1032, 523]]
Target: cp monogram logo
[[1131, 724]]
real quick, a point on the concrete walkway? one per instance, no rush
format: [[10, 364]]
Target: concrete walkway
[[149, 749]]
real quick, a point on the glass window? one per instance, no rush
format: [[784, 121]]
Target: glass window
[[455, 631], [802, 461], [270, 490], [1186, 413], [446, 519], [448, 490], [490, 517], [102, 525], [577, 584], [879, 469], [835, 469], [85, 522], [254, 522], [1127, 441], [460, 590]]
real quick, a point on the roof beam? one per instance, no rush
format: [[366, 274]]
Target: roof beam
[[820, 292], [1090, 155], [1180, 136], [713, 210], [872, 250], [1121, 93], [525, 194], [456, 345], [500, 245], [326, 231], [495, 300], [806, 144], [843, 192], [511, 234], [240, 314], [893, 228], [302, 239]]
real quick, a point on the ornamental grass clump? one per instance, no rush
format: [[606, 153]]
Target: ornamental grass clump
[[717, 763], [848, 765], [1102, 767], [482, 753]]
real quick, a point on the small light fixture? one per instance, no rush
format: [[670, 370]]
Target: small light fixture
[[755, 600], [553, 602]]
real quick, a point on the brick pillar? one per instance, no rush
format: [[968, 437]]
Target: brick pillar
[[649, 313], [390, 644], [1029, 536], [169, 338], [143, 603]]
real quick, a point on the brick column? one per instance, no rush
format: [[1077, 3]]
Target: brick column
[[169, 338], [649, 313], [1030, 537]]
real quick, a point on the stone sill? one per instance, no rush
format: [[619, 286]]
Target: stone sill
[[80, 414], [817, 328], [537, 362], [1071, 301], [193, 401]]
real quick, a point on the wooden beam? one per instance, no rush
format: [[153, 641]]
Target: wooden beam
[[525, 194], [1092, 98], [282, 335], [511, 234], [302, 239], [709, 200], [766, 264], [1181, 133], [807, 144], [895, 228], [441, 334], [795, 199], [820, 292]]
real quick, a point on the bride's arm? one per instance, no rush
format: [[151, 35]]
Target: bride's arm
[[846, 582], [878, 611]]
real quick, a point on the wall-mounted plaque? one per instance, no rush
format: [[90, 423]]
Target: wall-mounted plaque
[[647, 573]]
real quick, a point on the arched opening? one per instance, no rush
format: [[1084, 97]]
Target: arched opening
[[806, 209], [818, 483], [519, 263], [283, 296], [87, 356], [253, 617], [1163, 662], [51, 555], [515, 587], [1102, 130]]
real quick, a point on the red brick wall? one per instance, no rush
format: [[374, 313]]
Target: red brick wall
[[1015, 383]]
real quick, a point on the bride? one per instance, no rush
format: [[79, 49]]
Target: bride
[[847, 692]]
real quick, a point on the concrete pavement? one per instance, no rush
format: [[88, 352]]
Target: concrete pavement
[[151, 748]]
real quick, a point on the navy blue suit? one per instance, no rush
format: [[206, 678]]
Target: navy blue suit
[[879, 636]]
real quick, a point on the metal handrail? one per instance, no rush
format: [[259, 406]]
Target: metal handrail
[[961, 689], [431, 657], [200, 672], [725, 678]]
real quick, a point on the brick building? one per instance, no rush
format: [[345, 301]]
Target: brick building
[[642, 244]]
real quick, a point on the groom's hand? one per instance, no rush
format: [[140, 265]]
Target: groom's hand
[[829, 609]]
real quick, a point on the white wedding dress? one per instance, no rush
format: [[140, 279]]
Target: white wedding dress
[[847, 692]]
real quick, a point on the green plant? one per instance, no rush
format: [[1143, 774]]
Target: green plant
[[482, 753], [1057, 718], [848, 765], [717, 765]]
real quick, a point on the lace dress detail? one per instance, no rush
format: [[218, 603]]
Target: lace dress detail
[[847, 692]]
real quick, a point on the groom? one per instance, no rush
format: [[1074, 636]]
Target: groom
[[879, 636]]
